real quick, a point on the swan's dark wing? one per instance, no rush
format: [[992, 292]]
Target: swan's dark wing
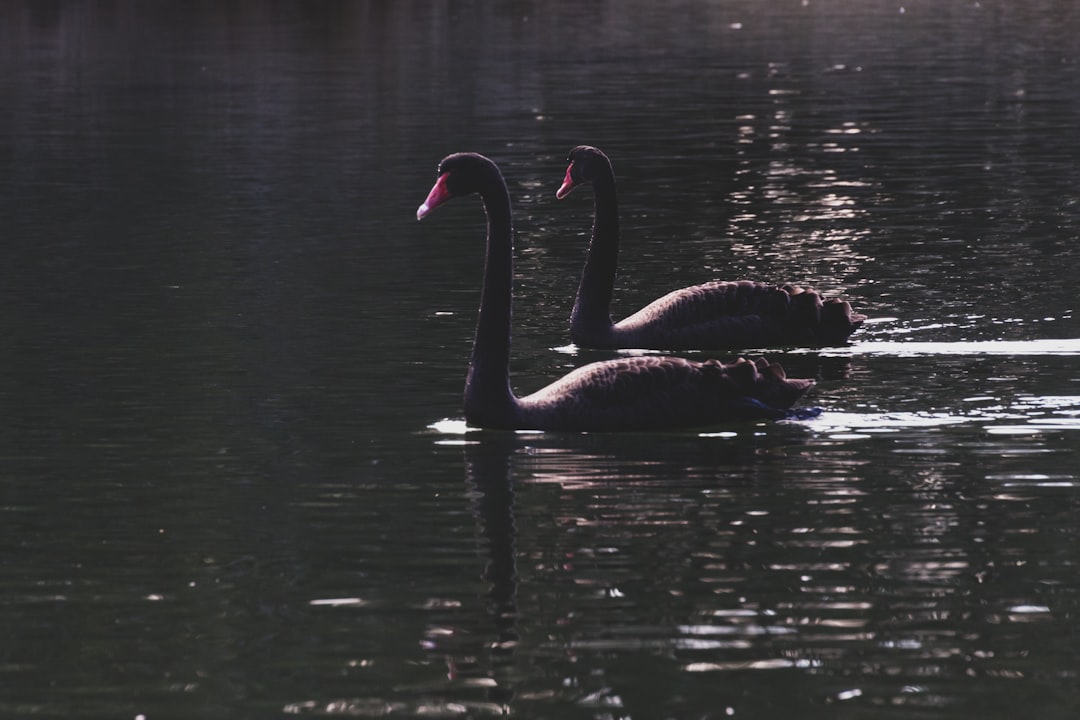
[[649, 393], [738, 314]]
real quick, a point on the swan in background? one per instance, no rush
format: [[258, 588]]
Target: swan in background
[[715, 315]]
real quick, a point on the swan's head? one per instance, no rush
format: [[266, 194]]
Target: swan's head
[[586, 165], [459, 174]]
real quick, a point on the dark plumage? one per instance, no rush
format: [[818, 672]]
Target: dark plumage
[[638, 393], [715, 315]]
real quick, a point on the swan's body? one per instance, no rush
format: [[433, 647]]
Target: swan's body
[[716, 315], [639, 393]]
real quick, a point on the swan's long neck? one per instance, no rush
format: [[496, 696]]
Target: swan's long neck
[[592, 307], [489, 400]]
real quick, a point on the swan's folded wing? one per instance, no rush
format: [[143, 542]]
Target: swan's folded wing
[[645, 393]]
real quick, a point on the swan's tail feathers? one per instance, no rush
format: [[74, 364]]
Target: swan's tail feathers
[[763, 384], [838, 321], [832, 320], [804, 308], [786, 390]]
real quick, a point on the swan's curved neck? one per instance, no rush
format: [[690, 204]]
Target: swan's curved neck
[[592, 307], [489, 402]]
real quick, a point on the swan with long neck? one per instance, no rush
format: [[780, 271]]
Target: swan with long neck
[[715, 315], [635, 393]]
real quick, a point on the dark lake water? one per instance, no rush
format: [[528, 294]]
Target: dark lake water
[[234, 480]]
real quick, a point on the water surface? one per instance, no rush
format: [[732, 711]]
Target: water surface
[[235, 478]]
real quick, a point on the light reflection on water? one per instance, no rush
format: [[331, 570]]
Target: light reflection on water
[[1034, 410], [803, 569], [1065, 346]]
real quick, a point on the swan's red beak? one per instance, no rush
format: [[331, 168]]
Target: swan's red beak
[[438, 195], [567, 184]]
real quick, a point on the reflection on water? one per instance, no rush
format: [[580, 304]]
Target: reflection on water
[[795, 197], [599, 567]]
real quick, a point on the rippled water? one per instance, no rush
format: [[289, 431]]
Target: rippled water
[[235, 477]]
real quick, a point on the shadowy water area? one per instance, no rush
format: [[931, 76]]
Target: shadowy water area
[[234, 477]]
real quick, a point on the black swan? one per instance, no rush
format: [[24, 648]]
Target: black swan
[[635, 393], [715, 315]]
